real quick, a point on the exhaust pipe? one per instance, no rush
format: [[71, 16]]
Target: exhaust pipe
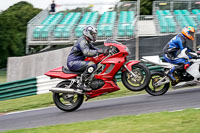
[[65, 90]]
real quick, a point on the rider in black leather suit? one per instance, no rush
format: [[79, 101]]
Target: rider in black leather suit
[[84, 48]]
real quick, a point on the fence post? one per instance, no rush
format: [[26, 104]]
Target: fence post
[[195, 43], [137, 31], [137, 48]]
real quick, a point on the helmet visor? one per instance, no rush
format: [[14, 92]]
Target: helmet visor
[[191, 34], [94, 35]]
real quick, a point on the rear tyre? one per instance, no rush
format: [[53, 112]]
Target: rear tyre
[[142, 77], [156, 90], [67, 102]]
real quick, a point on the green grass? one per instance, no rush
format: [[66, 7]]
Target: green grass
[[45, 100], [25, 103], [186, 121], [2, 77]]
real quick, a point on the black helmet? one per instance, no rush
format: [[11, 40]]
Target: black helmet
[[90, 32]]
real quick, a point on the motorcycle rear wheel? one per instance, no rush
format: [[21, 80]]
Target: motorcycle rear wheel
[[136, 84], [159, 90], [67, 102]]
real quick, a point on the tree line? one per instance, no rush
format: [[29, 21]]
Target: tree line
[[13, 25]]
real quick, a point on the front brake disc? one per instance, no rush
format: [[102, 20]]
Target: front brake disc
[[138, 78], [155, 80]]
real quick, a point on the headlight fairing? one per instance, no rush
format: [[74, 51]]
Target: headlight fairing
[[127, 49]]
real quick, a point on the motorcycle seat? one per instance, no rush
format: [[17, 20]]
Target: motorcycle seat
[[65, 70]]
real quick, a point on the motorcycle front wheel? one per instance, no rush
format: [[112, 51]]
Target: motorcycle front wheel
[[156, 90], [67, 102], [141, 79]]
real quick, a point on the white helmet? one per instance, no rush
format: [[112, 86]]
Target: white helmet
[[90, 32]]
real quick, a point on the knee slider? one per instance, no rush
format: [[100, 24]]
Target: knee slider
[[90, 69]]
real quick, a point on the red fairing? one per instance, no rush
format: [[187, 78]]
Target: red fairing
[[95, 59], [120, 47], [57, 73], [108, 87], [115, 62], [111, 65], [130, 63]]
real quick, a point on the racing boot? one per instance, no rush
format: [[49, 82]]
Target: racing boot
[[170, 74], [82, 85], [89, 70], [180, 67]]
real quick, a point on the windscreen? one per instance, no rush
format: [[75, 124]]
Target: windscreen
[[112, 41]]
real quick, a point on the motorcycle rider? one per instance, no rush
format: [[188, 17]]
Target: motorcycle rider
[[84, 48], [174, 46]]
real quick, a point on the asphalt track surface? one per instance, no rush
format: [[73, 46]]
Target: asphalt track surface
[[131, 105]]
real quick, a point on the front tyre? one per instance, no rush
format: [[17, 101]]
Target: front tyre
[[67, 102], [156, 90], [141, 79]]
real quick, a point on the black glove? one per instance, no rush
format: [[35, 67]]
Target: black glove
[[194, 57], [106, 52], [101, 51]]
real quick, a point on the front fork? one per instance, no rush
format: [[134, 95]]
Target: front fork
[[132, 74], [128, 67], [162, 81]]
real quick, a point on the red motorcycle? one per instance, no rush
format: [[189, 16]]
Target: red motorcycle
[[135, 76]]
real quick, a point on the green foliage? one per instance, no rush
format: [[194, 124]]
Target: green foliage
[[2, 76], [145, 6], [79, 9], [13, 26]]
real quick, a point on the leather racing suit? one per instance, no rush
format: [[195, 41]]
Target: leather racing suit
[[171, 51], [79, 52]]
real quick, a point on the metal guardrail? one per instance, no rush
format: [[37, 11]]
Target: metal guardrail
[[38, 85], [50, 37], [27, 87], [18, 89], [44, 83]]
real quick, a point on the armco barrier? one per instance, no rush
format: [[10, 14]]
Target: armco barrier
[[17, 89], [44, 83], [27, 87], [38, 85]]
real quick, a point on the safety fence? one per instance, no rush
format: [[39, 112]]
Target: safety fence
[[38, 85], [27, 87]]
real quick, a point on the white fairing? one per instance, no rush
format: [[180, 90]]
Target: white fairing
[[194, 69], [156, 60], [183, 54]]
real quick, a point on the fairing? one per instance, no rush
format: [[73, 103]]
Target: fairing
[[58, 73], [112, 65], [131, 63]]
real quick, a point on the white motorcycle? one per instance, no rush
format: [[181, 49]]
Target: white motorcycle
[[160, 82]]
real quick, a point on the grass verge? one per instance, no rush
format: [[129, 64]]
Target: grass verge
[[45, 100], [2, 77], [186, 121]]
